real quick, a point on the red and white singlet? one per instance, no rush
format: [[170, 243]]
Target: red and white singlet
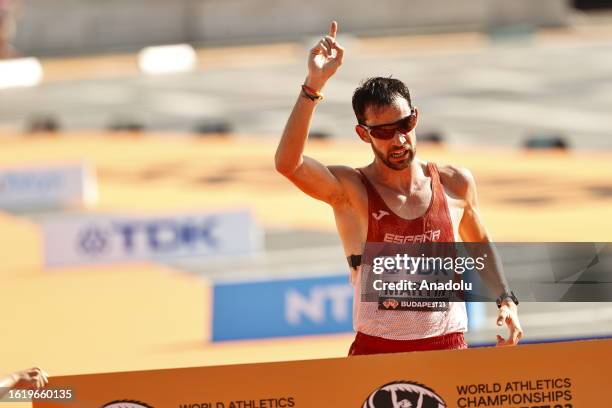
[[386, 226]]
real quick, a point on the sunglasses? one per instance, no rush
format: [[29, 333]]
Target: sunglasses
[[386, 132]]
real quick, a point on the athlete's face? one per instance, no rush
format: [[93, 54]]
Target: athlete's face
[[397, 152]]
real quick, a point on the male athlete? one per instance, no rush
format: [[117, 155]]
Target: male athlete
[[396, 198]]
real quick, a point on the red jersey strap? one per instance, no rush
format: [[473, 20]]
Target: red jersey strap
[[372, 192], [376, 205], [439, 212], [434, 173], [436, 184]]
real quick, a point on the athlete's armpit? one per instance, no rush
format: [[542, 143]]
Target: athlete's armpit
[[319, 181]]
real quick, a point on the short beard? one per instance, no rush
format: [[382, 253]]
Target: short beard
[[396, 166]]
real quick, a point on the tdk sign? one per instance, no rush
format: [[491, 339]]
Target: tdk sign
[[100, 239], [156, 236], [276, 308]]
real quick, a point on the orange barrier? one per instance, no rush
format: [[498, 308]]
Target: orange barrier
[[559, 375]]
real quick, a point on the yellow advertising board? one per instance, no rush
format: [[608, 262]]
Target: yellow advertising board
[[556, 375]]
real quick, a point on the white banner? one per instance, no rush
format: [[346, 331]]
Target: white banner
[[47, 187], [97, 239]]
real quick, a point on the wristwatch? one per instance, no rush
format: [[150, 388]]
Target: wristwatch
[[505, 296]]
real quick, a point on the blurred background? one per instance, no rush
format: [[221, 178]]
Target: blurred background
[[143, 226]]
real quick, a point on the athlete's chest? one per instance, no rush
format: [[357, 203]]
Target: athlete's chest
[[401, 205], [429, 214]]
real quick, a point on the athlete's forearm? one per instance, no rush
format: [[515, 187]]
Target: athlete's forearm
[[493, 273], [291, 147]]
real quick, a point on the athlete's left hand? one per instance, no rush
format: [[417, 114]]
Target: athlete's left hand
[[31, 378], [508, 313]]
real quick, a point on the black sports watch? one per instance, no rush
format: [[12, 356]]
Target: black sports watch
[[505, 296]]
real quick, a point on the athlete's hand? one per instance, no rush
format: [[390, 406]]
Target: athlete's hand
[[31, 378], [508, 313], [324, 59]]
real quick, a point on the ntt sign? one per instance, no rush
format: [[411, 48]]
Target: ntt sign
[[282, 307], [77, 240]]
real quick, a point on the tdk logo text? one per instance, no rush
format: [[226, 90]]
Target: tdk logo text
[[100, 238], [155, 236]]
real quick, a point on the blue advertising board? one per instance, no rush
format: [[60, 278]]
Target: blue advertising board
[[286, 307]]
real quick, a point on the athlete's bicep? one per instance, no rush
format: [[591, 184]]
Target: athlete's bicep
[[319, 181], [471, 227]]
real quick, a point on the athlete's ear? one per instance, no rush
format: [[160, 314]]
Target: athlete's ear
[[416, 114], [362, 133]]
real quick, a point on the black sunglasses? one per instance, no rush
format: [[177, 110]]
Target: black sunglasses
[[387, 131]]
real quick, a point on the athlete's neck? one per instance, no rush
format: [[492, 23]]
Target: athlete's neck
[[406, 180]]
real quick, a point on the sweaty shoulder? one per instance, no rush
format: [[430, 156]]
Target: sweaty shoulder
[[458, 181], [350, 180], [345, 174]]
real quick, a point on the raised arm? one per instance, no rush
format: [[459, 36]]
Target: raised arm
[[312, 177]]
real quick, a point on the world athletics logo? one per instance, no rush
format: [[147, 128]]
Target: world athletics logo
[[126, 404], [404, 394]]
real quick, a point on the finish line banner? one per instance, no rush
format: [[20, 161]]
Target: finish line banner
[[557, 375]]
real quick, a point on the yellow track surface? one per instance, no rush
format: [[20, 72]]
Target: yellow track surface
[[133, 317]]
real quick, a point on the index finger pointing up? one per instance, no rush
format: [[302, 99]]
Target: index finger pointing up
[[333, 29]]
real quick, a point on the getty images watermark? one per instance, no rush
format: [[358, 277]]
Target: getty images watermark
[[425, 265], [429, 275]]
